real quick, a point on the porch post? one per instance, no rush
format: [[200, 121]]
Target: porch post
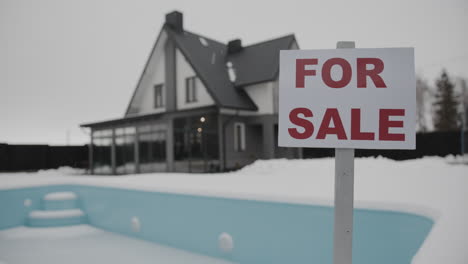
[[113, 154], [136, 148], [300, 153], [221, 141], [268, 139], [90, 154], [170, 145]]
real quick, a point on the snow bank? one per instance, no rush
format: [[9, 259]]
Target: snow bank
[[429, 186], [48, 233], [62, 171], [86, 244]]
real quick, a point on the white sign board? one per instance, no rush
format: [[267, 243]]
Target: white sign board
[[347, 98]]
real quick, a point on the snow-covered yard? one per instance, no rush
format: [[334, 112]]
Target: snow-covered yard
[[431, 186]]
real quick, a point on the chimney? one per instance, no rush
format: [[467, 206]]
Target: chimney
[[175, 20], [234, 46]]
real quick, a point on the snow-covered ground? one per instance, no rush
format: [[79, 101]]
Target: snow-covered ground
[[86, 244], [434, 187]]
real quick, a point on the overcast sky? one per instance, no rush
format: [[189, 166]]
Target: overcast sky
[[63, 63]]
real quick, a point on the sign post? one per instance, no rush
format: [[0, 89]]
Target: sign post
[[344, 197], [347, 98]]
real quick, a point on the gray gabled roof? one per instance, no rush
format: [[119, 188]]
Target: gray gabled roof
[[208, 59], [253, 64], [259, 62]]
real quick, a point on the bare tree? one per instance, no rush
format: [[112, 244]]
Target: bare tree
[[422, 97], [464, 94]]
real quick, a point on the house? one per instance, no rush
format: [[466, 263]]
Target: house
[[199, 106]]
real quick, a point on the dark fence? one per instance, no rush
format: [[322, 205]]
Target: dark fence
[[37, 157], [427, 144]]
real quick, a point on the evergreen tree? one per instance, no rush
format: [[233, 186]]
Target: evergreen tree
[[446, 104]]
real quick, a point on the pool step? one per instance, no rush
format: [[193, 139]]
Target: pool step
[[43, 218], [58, 209], [59, 201]]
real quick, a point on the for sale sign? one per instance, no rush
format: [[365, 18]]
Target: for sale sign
[[347, 98]]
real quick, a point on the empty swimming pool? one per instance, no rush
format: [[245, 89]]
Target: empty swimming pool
[[261, 232]]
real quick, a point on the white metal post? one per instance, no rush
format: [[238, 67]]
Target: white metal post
[[463, 123], [344, 197]]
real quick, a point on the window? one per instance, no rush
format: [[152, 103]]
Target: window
[[152, 147], [191, 89], [125, 150], [239, 136], [158, 96], [102, 148]]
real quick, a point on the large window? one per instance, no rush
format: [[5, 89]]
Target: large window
[[152, 147], [125, 150], [158, 96], [191, 89], [239, 136], [102, 148]]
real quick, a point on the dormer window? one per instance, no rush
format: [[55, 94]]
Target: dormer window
[[158, 96], [191, 89]]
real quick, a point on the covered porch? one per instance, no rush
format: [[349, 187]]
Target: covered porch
[[183, 141]]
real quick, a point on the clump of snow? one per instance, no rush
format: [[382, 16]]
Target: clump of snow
[[430, 186], [213, 58], [27, 202], [225, 242], [457, 159], [135, 224], [203, 41], [63, 171], [231, 71], [60, 196], [39, 214]]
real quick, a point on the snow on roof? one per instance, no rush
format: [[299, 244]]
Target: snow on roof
[[231, 71], [203, 41], [430, 186]]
